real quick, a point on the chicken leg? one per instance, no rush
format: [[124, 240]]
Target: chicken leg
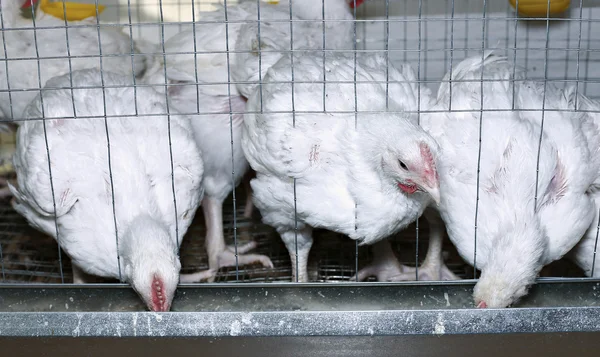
[[249, 207], [304, 243], [79, 277], [220, 255], [244, 231], [4, 190], [385, 265]]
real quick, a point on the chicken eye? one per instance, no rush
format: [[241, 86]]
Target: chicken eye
[[403, 165]]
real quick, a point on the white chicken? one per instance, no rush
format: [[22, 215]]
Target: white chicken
[[34, 56], [200, 56], [585, 253], [516, 226], [320, 165], [80, 201], [576, 138]]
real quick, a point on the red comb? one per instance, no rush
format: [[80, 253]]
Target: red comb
[[430, 170], [355, 3]]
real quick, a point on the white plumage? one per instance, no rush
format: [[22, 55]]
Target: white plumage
[[83, 196], [361, 175], [575, 137], [85, 43], [516, 235], [259, 45], [203, 60], [585, 254]]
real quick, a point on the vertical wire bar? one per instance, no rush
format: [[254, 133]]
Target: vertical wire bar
[[527, 31], [595, 252], [507, 28], [445, 44], [260, 79], [195, 57], [69, 57], [539, 153], [419, 123], [577, 73], [37, 54], [587, 53], [364, 47], [514, 74], [483, 28], [467, 22], [356, 129], [70, 66], [567, 52], [110, 173], [162, 41], [293, 125], [451, 55], [132, 47], [387, 54], [10, 104], [235, 240], [425, 39], [324, 47], [405, 37], [595, 247]]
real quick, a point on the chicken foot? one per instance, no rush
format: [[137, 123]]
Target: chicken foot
[[386, 267], [219, 254]]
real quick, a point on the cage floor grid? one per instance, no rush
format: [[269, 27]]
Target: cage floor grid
[[29, 256]]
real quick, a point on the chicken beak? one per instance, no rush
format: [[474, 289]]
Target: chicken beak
[[434, 192], [273, 2]]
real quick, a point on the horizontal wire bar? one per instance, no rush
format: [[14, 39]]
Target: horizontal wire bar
[[310, 112], [302, 51], [209, 84], [414, 19]]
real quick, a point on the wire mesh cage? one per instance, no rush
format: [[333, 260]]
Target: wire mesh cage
[[433, 37]]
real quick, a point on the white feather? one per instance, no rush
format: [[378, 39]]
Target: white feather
[[140, 164], [344, 179]]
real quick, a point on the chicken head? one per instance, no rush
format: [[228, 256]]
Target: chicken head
[[413, 169], [151, 264]]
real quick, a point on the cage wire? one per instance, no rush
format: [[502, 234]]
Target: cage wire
[[433, 36]]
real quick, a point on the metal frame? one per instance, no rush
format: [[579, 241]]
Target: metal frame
[[556, 318], [299, 310]]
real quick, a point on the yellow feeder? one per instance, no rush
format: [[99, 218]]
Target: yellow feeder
[[539, 8], [74, 11]]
